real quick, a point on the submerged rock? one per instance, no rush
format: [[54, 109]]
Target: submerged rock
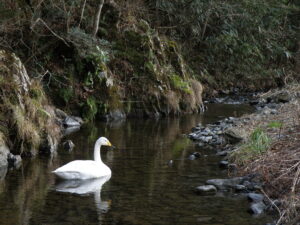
[[257, 208], [223, 164], [13, 160], [68, 145], [222, 153], [254, 197], [192, 157], [4, 151], [226, 183], [48, 146], [71, 121], [240, 188], [206, 189], [197, 154]]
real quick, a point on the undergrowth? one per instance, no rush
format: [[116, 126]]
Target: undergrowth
[[258, 144]]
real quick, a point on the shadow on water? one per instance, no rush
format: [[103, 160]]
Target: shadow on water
[[143, 188]]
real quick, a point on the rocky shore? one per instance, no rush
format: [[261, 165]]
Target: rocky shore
[[276, 118]]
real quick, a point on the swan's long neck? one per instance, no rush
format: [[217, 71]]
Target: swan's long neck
[[97, 155]]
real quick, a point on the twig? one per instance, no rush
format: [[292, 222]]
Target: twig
[[296, 180], [43, 22], [272, 203], [281, 217]]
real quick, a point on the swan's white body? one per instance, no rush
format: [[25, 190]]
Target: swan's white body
[[86, 169]]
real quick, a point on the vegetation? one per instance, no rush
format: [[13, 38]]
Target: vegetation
[[250, 40], [258, 144], [26, 118], [145, 53]]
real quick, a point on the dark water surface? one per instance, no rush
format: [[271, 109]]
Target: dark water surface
[[143, 189]]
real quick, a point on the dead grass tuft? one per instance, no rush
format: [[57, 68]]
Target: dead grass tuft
[[172, 101]]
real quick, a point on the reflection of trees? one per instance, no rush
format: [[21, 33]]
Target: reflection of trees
[[143, 149], [24, 192]]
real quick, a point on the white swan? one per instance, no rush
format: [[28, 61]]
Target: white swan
[[86, 169]]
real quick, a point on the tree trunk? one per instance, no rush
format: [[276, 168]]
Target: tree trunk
[[97, 18]]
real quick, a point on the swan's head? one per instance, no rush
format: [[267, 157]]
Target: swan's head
[[104, 141]]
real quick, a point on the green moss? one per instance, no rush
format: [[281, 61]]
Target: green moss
[[180, 84]]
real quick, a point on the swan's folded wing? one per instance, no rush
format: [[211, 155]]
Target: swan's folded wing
[[70, 175]]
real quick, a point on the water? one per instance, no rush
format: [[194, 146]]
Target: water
[[143, 188]]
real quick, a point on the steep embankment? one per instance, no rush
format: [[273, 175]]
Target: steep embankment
[[28, 123]]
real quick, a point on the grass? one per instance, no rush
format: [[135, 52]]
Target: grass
[[27, 131], [275, 124], [180, 84], [258, 144]]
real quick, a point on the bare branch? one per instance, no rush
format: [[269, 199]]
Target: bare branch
[[82, 13], [45, 24], [97, 18]]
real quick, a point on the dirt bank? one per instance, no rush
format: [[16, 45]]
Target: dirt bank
[[271, 148]]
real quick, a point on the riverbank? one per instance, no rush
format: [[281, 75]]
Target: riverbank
[[275, 153], [261, 151]]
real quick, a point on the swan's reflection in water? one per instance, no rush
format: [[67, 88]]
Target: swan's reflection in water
[[86, 187]]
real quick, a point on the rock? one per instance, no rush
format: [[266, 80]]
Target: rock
[[254, 102], [68, 145], [240, 188], [3, 171], [194, 129], [283, 97], [266, 111], [257, 208], [254, 197], [223, 164], [4, 151], [222, 153], [70, 130], [225, 183], [119, 114], [206, 189], [248, 185], [273, 111], [207, 139], [192, 157], [197, 154], [232, 137], [60, 114], [48, 146], [70, 121], [200, 144], [13, 160], [170, 163]]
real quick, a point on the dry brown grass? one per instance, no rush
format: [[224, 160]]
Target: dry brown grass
[[172, 101], [198, 90], [280, 165]]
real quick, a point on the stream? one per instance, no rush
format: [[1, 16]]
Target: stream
[[143, 189]]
